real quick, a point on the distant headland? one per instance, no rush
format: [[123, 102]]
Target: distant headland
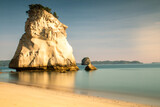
[[116, 62]]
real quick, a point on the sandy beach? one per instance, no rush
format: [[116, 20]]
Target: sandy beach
[[13, 95]]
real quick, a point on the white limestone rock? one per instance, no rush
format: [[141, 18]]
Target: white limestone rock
[[43, 45]]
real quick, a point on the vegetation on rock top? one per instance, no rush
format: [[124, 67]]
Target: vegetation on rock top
[[34, 7], [55, 15]]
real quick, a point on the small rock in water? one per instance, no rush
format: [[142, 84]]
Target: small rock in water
[[85, 61], [90, 67]]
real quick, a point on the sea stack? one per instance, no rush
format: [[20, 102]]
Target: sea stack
[[44, 45], [87, 61]]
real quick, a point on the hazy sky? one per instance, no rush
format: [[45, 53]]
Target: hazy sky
[[99, 29]]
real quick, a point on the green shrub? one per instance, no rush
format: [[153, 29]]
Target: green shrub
[[55, 15], [33, 7], [38, 6]]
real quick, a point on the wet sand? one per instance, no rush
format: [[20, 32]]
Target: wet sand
[[12, 95]]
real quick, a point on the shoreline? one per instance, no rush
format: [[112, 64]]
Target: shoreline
[[24, 96]]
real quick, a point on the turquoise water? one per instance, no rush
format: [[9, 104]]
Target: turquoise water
[[135, 82]]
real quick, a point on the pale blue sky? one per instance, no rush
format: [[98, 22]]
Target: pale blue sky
[[99, 29]]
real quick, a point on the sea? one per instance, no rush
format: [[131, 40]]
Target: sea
[[138, 83]]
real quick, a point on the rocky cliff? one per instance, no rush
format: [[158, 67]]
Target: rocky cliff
[[43, 45]]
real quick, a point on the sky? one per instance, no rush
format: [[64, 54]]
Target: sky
[[99, 29]]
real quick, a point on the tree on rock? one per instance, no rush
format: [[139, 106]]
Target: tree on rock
[[38, 6], [55, 15], [34, 7]]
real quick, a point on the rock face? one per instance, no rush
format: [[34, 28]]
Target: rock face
[[43, 45], [85, 61], [90, 67]]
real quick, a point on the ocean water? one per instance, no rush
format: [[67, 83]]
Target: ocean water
[[139, 83]]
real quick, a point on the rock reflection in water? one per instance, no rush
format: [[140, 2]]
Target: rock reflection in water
[[46, 79]]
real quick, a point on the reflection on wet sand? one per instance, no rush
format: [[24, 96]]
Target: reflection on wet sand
[[45, 79]]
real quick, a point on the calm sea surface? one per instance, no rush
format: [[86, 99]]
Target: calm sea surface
[[138, 83]]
